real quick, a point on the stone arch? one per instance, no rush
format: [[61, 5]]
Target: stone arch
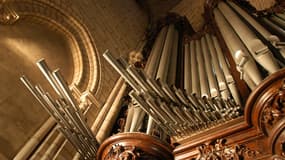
[[59, 15]]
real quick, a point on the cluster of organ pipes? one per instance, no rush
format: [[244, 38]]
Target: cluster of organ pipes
[[245, 46], [277, 22], [209, 95], [65, 111]]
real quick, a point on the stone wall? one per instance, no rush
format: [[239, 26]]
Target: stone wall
[[115, 25], [21, 46], [193, 10]]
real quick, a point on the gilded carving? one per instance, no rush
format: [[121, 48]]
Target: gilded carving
[[218, 150]]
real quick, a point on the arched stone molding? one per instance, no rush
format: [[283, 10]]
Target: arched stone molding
[[58, 15]]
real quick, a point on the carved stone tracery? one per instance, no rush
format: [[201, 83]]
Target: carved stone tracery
[[218, 150]]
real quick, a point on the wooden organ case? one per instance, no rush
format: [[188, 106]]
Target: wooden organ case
[[215, 94]]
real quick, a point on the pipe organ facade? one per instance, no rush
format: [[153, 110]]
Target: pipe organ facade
[[207, 98], [213, 94]]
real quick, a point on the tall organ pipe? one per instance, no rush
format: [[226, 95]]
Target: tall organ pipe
[[249, 82], [155, 54], [162, 72], [214, 91], [278, 20], [266, 34], [258, 50], [171, 77], [153, 63], [245, 63], [106, 107], [110, 119], [274, 26], [281, 15], [129, 118], [32, 143], [202, 72], [223, 89], [187, 69], [229, 78], [138, 116], [194, 69], [166, 53]]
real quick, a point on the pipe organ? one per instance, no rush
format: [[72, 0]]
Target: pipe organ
[[209, 96], [65, 111], [190, 91], [214, 94]]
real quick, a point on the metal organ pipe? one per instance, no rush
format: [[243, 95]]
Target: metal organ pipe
[[65, 111], [153, 61], [229, 78], [281, 15], [106, 107], [187, 69], [194, 69], [110, 119], [274, 26], [266, 34], [258, 50], [202, 72], [34, 141], [254, 23], [245, 63], [155, 54], [214, 91], [138, 116], [249, 82], [129, 118], [171, 77], [278, 20], [151, 71], [223, 89], [166, 54]]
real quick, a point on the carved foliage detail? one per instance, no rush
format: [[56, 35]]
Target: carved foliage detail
[[274, 108], [219, 151], [119, 152]]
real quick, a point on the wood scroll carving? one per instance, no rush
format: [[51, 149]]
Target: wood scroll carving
[[219, 150], [274, 108], [134, 146]]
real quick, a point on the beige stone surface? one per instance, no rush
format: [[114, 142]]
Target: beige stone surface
[[262, 4], [21, 45], [115, 25], [193, 10]]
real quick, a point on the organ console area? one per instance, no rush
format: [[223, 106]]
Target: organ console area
[[213, 94]]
